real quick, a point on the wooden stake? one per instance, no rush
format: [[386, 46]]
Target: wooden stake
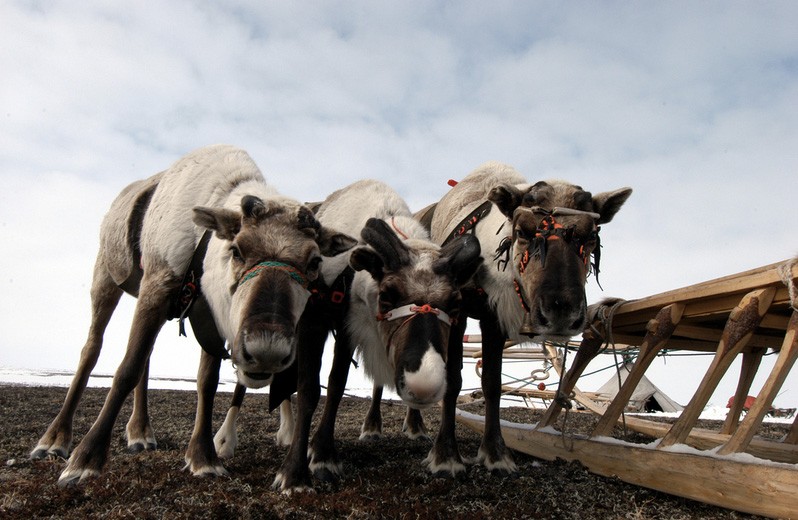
[[751, 362], [659, 330], [789, 353], [741, 324]]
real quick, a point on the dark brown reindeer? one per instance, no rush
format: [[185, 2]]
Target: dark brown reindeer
[[403, 299], [262, 251], [537, 243]]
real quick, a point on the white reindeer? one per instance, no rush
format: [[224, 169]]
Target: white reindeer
[[397, 312], [264, 251]]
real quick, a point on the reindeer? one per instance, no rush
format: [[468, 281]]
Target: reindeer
[[397, 308], [255, 253], [537, 242]]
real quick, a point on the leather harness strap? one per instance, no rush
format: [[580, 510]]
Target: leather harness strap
[[190, 290]]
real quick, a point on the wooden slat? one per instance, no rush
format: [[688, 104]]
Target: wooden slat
[[757, 488], [659, 332], [711, 290], [739, 328], [785, 361], [748, 370], [704, 439]]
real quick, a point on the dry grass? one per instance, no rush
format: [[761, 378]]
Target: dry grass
[[384, 478]]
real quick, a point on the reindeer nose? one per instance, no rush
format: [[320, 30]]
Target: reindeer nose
[[426, 385], [561, 313]]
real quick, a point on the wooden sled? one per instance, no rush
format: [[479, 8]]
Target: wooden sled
[[743, 314]]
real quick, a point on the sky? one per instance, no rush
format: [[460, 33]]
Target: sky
[[692, 104]]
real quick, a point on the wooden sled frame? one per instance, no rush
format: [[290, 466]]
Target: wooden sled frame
[[743, 314]]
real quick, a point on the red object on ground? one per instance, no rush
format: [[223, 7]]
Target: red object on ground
[[749, 402], [452, 183]]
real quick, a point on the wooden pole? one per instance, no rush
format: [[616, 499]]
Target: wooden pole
[[742, 322], [658, 331], [789, 353], [751, 362]]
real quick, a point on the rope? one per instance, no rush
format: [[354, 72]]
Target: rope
[[785, 272], [292, 271]]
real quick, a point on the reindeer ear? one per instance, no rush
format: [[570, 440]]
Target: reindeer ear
[[225, 223], [392, 250], [507, 198], [306, 220], [608, 203], [461, 258], [333, 243], [368, 259], [252, 206]]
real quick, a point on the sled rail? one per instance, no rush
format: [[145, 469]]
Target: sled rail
[[739, 315]]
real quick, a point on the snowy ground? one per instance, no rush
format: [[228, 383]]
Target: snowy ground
[[227, 384]]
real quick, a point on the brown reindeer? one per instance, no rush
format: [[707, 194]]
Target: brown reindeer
[[262, 251], [539, 242]]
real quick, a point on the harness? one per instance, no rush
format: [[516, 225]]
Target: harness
[[469, 222], [548, 229], [191, 288], [413, 310], [409, 312], [297, 275]]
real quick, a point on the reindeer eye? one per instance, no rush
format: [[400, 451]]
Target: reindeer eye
[[236, 253], [314, 264], [389, 297], [521, 235]]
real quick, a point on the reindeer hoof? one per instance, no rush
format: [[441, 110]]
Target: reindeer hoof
[[40, 453], [139, 446], [325, 475], [370, 436], [45, 450], [503, 466], [281, 483], [73, 477], [329, 471], [207, 470], [417, 436], [449, 468]]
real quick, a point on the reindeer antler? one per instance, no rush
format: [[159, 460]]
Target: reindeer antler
[[386, 243]]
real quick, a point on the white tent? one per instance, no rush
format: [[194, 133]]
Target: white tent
[[645, 398]]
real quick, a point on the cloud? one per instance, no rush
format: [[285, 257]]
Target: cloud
[[693, 105]]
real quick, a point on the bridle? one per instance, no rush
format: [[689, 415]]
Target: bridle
[[548, 229], [295, 274], [409, 312]]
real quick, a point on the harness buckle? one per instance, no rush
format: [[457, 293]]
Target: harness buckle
[[337, 297]]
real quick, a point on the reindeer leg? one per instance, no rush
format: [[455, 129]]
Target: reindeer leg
[[444, 458], [201, 458], [294, 474], [287, 424], [226, 439], [413, 427], [493, 453], [91, 454], [372, 424], [105, 296], [324, 462], [140, 435]]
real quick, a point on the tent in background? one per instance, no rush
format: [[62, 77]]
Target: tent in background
[[646, 397]]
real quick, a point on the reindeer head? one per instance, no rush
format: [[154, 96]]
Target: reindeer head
[[419, 296], [555, 231], [273, 251]]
